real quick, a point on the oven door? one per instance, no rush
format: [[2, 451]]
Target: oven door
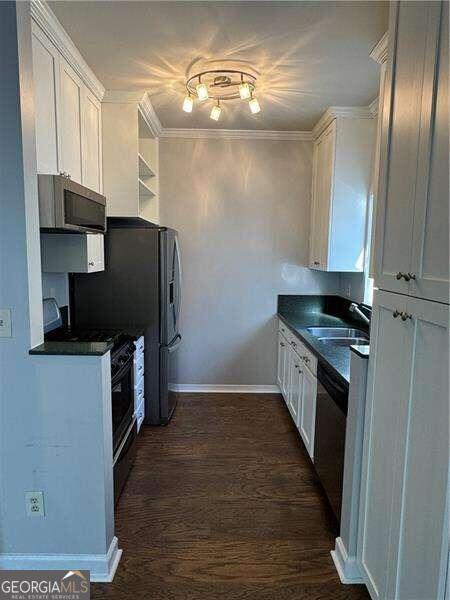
[[122, 398]]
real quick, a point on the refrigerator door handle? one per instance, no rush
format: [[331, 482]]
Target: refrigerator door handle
[[174, 345], [177, 255]]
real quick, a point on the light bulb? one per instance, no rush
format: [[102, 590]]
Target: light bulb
[[244, 91], [202, 91], [254, 106], [188, 104], [215, 112]]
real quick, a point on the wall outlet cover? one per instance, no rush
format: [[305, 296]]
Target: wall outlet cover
[[34, 503], [5, 322]]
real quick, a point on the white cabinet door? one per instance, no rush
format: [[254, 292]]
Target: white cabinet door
[[70, 131], [412, 205], [46, 101], [384, 434], [295, 388], [419, 528], [91, 142], [95, 252], [406, 446], [429, 261], [323, 172], [281, 361], [308, 410]]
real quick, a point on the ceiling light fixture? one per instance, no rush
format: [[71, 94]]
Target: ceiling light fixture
[[215, 112], [188, 104], [219, 85], [254, 106]]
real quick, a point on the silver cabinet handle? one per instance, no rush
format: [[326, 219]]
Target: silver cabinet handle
[[405, 316], [306, 359], [399, 276], [281, 344], [293, 344], [406, 276], [411, 276], [396, 313]]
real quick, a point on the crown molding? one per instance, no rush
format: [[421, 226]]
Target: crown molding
[[334, 112], [373, 106], [47, 21], [236, 134], [150, 116], [379, 52]]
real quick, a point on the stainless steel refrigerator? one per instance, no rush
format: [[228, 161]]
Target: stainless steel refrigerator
[[139, 288]]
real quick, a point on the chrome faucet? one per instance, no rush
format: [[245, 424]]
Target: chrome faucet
[[355, 308]]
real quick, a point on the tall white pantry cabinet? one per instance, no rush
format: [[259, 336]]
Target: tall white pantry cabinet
[[403, 543]]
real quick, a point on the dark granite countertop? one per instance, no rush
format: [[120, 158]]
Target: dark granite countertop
[[72, 348], [301, 312], [60, 348]]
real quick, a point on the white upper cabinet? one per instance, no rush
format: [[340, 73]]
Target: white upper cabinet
[[412, 224], [68, 112], [130, 157], [91, 150], [341, 180], [71, 107], [46, 94]]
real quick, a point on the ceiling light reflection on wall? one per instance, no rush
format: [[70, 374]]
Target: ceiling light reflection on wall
[[220, 85], [254, 106], [215, 112], [188, 104]]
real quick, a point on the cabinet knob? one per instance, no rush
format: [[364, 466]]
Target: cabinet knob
[[306, 359], [281, 344], [296, 366], [399, 276], [316, 262], [396, 313], [412, 276], [91, 263], [405, 316]]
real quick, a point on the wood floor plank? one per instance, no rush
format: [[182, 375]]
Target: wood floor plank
[[223, 503]]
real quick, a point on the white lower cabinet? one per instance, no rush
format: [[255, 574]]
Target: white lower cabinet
[[403, 531], [307, 422], [72, 253], [298, 384]]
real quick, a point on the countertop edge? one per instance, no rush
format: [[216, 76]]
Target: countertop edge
[[320, 358]]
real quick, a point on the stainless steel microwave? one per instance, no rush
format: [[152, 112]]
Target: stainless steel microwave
[[65, 205]]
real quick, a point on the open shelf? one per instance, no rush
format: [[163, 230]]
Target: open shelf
[[144, 190], [145, 171]]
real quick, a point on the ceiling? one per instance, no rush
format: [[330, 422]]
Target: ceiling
[[309, 55]]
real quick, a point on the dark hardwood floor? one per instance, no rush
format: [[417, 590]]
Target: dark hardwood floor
[[224, 504]]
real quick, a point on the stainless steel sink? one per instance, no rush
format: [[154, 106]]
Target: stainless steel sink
[[339, 336], [347, 341], [336, 332]]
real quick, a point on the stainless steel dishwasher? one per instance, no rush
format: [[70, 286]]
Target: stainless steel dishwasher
[[329, 444]]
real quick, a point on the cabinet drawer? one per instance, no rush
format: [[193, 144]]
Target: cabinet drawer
[[140, 415], [139, 345], [138, 367], [293, 342], [138, 392]]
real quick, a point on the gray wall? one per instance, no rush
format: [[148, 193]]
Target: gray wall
[[242, 208]]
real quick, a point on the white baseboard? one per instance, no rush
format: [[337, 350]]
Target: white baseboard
[[102, 567], [346, 566], [225, 388]]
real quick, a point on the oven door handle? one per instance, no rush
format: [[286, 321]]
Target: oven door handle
[[124, 441], [117, 376]]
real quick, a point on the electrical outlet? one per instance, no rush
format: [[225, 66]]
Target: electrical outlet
[[5, 322], [34, 502]]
